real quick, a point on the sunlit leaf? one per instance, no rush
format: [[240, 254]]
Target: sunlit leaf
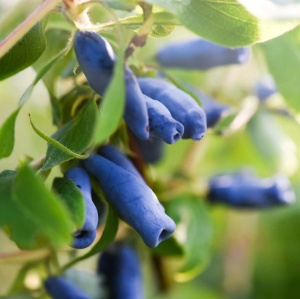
[[225, 22]]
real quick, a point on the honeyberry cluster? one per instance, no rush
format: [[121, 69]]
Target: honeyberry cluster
[[156, 111]]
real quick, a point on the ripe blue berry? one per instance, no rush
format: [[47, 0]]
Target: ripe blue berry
[[245, 190], [265, 88], [182, 106], [135, 115], [151, 150], [200, 54], [114, 155], [214, 110], [161, 122], [60, 288], [133, 199], [121, 269], [87, 234], [97, 59]]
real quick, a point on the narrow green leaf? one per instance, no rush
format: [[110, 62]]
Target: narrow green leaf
[[108, 235], [75, 136], [112, 106], [193, 232], [72, 197], [57, 41], [49, 216], [56, 143], [40, 75], [7, 135], [24, 53], [283, 58], [225, 22]]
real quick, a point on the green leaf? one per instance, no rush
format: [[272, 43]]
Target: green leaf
[[50, 218], [57, 40], [7, 135], [20, 226], [24, 53], [76, 136], [56, 143], [112, 106], [72, 198], [283, 58], [225, 22], [108, 235], [73, 100], [193, 232], [169, 247], [26, 215], [271, 142], [40, 75]]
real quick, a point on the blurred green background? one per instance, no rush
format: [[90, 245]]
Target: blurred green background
[[252, 254]]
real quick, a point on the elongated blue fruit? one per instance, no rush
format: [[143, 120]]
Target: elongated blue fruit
[[200, 54], [135, 115], [87, 234], [111, 153], [213, 109], [161, 122], [265, 88], [133, 199], [152, 150], [121, 269], [60, 288], [97, 59], [245, 190], [182, 106]]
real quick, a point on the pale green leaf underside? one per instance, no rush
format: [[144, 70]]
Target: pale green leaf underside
[[225, 22]]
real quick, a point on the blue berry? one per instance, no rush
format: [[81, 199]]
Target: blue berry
[[60, 288], [151, 150], [114, 155], [97, 59], [245, 190], [133, 199], [200, 54], [182, 106], [265, 88], [214, 110], [121, 269], [135, 115], [161, 122], [85, 236]]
